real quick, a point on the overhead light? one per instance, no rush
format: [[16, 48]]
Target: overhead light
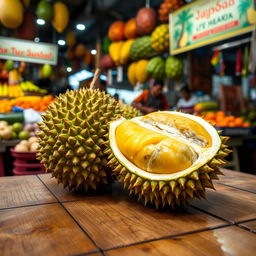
[[80, 27], [61, 42], [69, 69], [93, 51], [40, 22], [36, 39]]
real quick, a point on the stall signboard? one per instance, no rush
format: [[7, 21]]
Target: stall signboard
[[28, 51], [207, 21]]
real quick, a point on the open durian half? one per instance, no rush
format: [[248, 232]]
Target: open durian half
[[166, 157]]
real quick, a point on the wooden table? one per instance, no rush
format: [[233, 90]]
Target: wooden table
[[39, 217]]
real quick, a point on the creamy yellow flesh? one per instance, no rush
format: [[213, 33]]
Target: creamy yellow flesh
[[152, 151]]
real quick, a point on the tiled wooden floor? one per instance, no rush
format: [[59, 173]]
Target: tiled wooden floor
[[39, 217]]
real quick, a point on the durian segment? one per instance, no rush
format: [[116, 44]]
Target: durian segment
[[151, 151], [74, 136], [180, 126], [171, 189]]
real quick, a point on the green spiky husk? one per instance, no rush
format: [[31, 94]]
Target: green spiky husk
[[129, 112], [174, 192]]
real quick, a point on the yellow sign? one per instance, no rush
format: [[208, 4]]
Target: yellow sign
[[208, 21]]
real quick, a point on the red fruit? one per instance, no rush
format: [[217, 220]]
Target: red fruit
[[116, 31], [106, 62], [146, 21]]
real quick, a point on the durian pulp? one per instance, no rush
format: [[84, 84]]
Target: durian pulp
[[151, 151], [200, 137]]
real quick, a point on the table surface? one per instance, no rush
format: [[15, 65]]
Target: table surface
[[39, 217]]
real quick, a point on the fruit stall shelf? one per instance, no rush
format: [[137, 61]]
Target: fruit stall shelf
[[35, 208], [236, 131]]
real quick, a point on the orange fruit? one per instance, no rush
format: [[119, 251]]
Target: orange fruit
[[210, 116], [238, 122], [246, 124]]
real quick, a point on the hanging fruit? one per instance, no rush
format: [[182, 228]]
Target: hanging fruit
[[141, 71], [130, 29], [105, 44], [60, 16], [115, 51], [141, 48], [9, 65], [46, 71], [125, 51], [146, 21], [173, 67], [11, 13], [131, 73], [116, 31], [106, 62], [44, 10], [167, 7], [28, 28], [71, 38], [80, 50], [156, 68], [160, 38]]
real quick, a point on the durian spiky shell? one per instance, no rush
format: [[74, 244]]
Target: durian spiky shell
[[129, 112], [174, 192], [73, 136]]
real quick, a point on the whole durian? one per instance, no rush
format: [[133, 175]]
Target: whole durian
[[129, 112], [73, 136], [166, 158]]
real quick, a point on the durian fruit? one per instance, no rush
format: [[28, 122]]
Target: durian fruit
[[166, 158], [129, 112], [73, 136]]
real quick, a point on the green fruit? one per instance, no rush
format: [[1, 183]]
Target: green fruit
[[9, 65], [23, 135], [44, 10], [166, 158], [74, 135], [14, 135], [17, 127], [141, 48], [46, 70], [156, 68], [173, 67], [105, 44]]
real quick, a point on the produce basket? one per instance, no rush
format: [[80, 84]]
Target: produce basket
[[25, 163]]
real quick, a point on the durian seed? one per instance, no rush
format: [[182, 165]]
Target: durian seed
[[182, 182], [173, 184]]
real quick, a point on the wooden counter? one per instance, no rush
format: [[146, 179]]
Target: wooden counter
[[39, 217]]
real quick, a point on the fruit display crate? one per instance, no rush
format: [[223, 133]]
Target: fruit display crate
[[236, 131], [25, 163]]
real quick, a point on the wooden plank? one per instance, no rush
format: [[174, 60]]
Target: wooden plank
[[239, 180], [63, 194], [229, 203], [41, 230], [251, 225], [23, 190], [118, 221], [218, 242]]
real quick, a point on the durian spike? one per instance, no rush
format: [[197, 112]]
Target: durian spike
[[95, 78]]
